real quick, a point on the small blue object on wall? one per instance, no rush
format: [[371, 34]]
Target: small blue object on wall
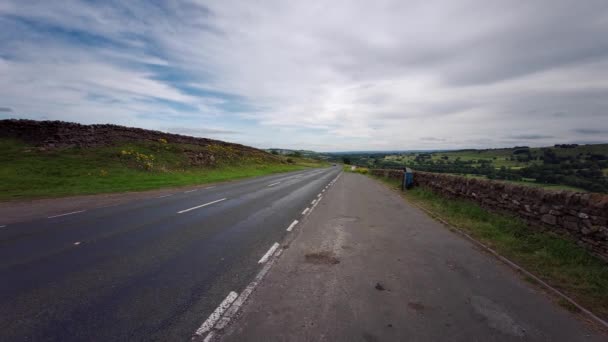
[[408, 178]]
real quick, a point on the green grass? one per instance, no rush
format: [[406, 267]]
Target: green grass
[[530, 182], [556, 260], [26, 172]]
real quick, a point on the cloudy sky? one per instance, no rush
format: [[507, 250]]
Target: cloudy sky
[[321, 75]]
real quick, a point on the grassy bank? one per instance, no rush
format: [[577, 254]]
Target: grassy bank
[[558, 261], [27, 172]]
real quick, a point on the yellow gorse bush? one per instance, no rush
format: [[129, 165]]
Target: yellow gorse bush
[[141, 160]]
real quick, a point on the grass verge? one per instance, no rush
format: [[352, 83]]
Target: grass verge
[[556, 260], [26, 172]]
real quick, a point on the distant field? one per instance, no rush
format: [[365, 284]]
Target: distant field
[[530, 182], [27, 172], [560, 167]]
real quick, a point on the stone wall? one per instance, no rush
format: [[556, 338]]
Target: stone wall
[[58, 134], [396, 174], [582, 217]]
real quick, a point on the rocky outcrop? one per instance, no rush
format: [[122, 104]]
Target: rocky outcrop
[[58, 134], [582, 217]]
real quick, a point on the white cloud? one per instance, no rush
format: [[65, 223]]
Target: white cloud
[[327, 75]]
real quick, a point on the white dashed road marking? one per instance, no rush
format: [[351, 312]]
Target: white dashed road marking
[[234, 309], [305, 211], [293, 224], [72, 213], [190, 191], [76, 243], [269, 253], [273, 184], [163, 196], [200, 206], [215, 315]]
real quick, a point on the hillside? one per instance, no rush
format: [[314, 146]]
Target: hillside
[[52, 158], [564, 166]]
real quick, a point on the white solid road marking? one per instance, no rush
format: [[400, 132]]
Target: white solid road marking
[[163, 196], [273, 184], [209, 187], [190, 191], [305, 211], [215, 315], [293, 224], [72, 213], [200, 206], [269, 253]]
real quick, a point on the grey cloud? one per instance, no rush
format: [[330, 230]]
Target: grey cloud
[[6, 110], [590, 131], [432, 139], [530, 136]]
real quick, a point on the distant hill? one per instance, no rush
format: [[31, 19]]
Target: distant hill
[[299, 153], [54, 158]]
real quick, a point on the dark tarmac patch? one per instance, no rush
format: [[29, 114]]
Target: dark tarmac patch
[[418, 307], [379, 287], [322, 258], [369, 337]]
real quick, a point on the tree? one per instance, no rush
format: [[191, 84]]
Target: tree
[[346, 160]]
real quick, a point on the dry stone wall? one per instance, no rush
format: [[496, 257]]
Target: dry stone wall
[[582, 217]]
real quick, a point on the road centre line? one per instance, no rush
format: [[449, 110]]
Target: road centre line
[[71, 213], [163, 196], [293, 224], [273, 184], [215, 315], [313, 202], [209, 187], [269, 253], [200, 206], [190, 191], [305, 211]]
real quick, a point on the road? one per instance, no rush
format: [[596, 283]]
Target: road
[[152, 269], [367, 266]]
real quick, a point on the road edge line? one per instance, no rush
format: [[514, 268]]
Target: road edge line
[[216, 314], [268, 254]]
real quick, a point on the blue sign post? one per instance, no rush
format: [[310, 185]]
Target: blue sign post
[[408, 178]]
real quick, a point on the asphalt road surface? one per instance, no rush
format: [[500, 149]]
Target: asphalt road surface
[[367, 266], [152, 269]]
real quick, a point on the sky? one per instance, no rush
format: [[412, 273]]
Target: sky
[[319, 75]]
